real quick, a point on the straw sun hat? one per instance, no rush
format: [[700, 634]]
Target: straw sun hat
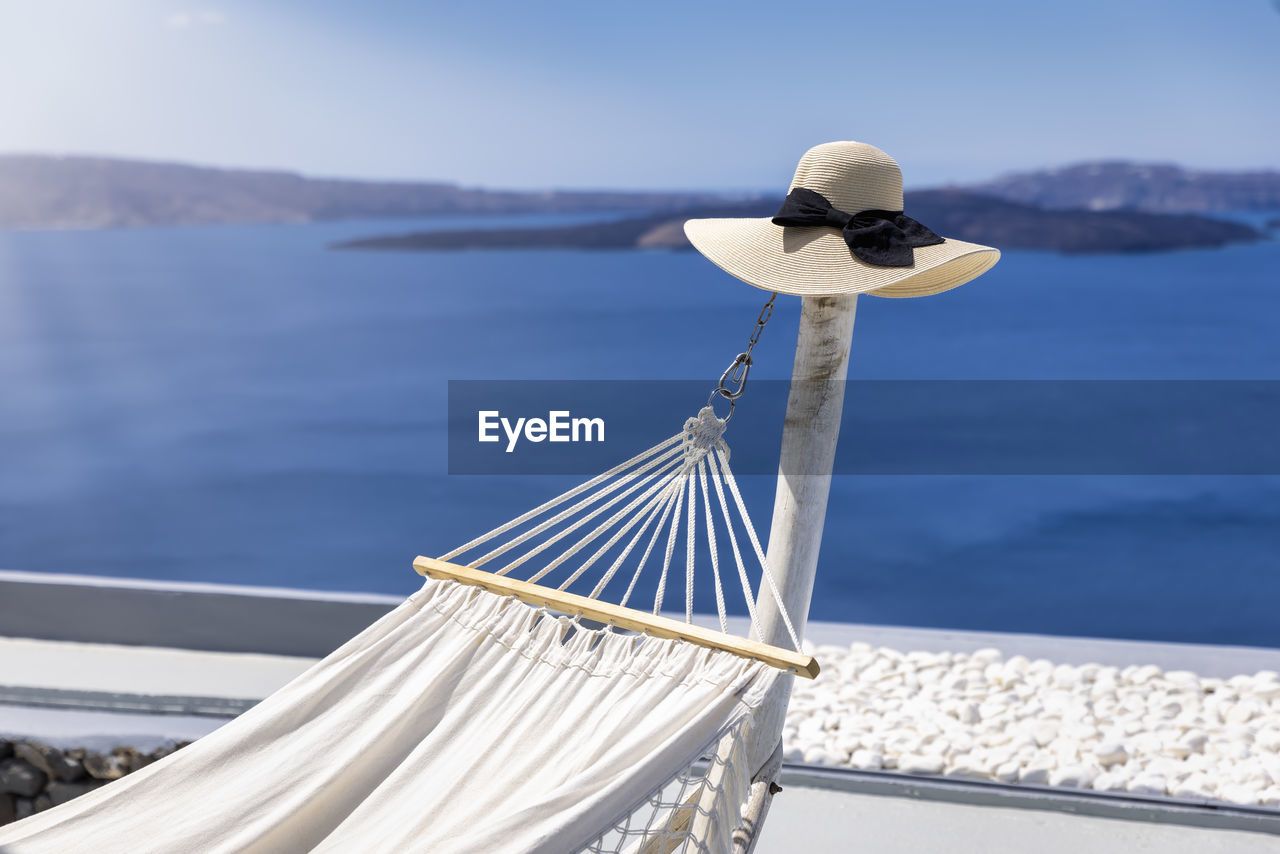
[[841, 231]]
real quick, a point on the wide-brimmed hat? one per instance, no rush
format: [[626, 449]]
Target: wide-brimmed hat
[[841, 230]]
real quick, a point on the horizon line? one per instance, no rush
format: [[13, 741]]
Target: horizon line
[[723, 191]]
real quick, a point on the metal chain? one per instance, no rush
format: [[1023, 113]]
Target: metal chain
[[734, 379]]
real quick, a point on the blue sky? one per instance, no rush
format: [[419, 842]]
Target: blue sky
[[721, 95]]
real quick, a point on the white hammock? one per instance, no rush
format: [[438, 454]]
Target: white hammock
[[467, 721]]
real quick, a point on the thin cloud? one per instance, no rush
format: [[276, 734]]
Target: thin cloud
[[197, 18]]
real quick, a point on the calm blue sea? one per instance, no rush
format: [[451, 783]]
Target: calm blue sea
[[244, 405]]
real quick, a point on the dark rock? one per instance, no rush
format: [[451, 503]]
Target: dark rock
[[161, 752], [102, 767], [66, 769], [23, 808], [60, 793], [6, 749], [33, 754], [43, 802], [50, 760], [164, 750], [19, 777], [114, 765], [129, 759], [8, 809]]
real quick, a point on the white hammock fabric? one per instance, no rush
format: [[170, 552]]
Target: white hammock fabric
[[460, 722], [466, 721]]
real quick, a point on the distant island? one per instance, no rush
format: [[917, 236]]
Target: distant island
[[1100, 207], [45, 192], [958, 213], [1154, 187]]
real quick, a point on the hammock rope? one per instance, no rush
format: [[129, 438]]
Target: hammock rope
[[655, 492]]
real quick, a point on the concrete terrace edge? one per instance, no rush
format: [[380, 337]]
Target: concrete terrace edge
[[283, 621], [116, 702], [1162, 810], [183, 615]]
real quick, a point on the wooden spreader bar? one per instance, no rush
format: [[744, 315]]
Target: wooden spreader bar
[[625, 618]]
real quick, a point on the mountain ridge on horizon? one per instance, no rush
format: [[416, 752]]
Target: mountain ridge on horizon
[[1115, 184], [40, 191], [75, 191], [321, 176]]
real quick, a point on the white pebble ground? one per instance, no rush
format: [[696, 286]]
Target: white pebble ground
[[983, 716]]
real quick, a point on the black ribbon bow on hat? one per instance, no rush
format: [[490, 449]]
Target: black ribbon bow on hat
[[883, 238]]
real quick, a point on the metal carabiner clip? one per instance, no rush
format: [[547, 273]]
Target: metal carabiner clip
[[734, 379]]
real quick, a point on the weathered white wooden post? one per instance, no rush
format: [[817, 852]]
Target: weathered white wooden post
[[809, 438], [808, 455], [804, 481]]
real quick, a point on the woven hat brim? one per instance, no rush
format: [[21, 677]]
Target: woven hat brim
[[815, 261]]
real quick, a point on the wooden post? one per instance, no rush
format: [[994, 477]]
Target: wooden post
[[799, 511], [804, 481]]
